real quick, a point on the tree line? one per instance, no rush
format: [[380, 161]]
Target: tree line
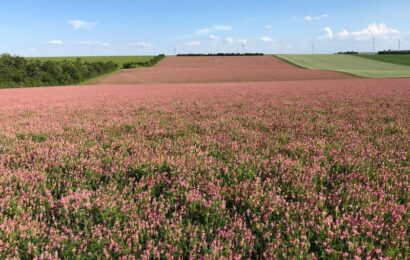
[[17, 71], [347, 52], [394, 52], [150, 63]]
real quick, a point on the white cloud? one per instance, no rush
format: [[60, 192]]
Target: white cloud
[[140, 44], [55, 42], [231, 40], [308, 18], [266, 39], [242, 41], [192, 44], [380, 30], [223, 28], [343, 34], [94, 43], [204, 31], [80, 24], [329, 34], [214, 37], [315, 18], [215, 28]]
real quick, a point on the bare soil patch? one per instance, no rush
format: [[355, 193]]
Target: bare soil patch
[[218, 69]]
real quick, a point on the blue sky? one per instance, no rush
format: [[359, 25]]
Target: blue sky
[[126, 27]]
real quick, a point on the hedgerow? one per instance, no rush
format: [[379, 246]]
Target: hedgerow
[[150, 63], [347, 52], [17, 71], [395, 52]]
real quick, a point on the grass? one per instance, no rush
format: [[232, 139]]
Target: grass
[[400, 59], [349, 64], [120, 60]]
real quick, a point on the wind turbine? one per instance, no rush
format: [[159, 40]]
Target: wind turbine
[[313, 47], [175, 50], [399, 42], [281, 46], [374, 44], [243, 47], [142, 46]]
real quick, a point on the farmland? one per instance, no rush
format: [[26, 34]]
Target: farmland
[[119, 60], [217, 69], [400, 59], [350, 64], [304, 164]]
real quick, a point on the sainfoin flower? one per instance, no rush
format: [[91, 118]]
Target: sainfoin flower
[[284, 170]]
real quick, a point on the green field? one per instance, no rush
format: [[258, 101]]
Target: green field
[[120, 60], [400, 59], [350, 64]]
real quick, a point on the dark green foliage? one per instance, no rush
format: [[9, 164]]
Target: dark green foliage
[[20, 136], [150, 63], [400, 59], [394, 52], [19, 72], [347, 52], [391, 130], [137, 171], [208, 217], [38, 138]]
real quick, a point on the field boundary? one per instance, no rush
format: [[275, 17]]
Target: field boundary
[[290, 62]]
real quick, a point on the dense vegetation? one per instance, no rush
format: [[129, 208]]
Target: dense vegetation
[[119, 60], [400, 59], [222, 54], [302, 170], [19, 72], [394, 52], [149, 63], [347, 52]]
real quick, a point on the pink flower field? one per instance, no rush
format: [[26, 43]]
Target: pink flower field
[[301, 169]]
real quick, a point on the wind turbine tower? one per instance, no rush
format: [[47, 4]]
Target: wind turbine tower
[[243, 47]]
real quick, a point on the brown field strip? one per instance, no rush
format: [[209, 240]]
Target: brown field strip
[[218, 69]]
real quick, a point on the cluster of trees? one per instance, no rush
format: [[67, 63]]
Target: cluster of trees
[[19, 72], [221, 54], [395, 52], [150, 63], [347, 52]]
